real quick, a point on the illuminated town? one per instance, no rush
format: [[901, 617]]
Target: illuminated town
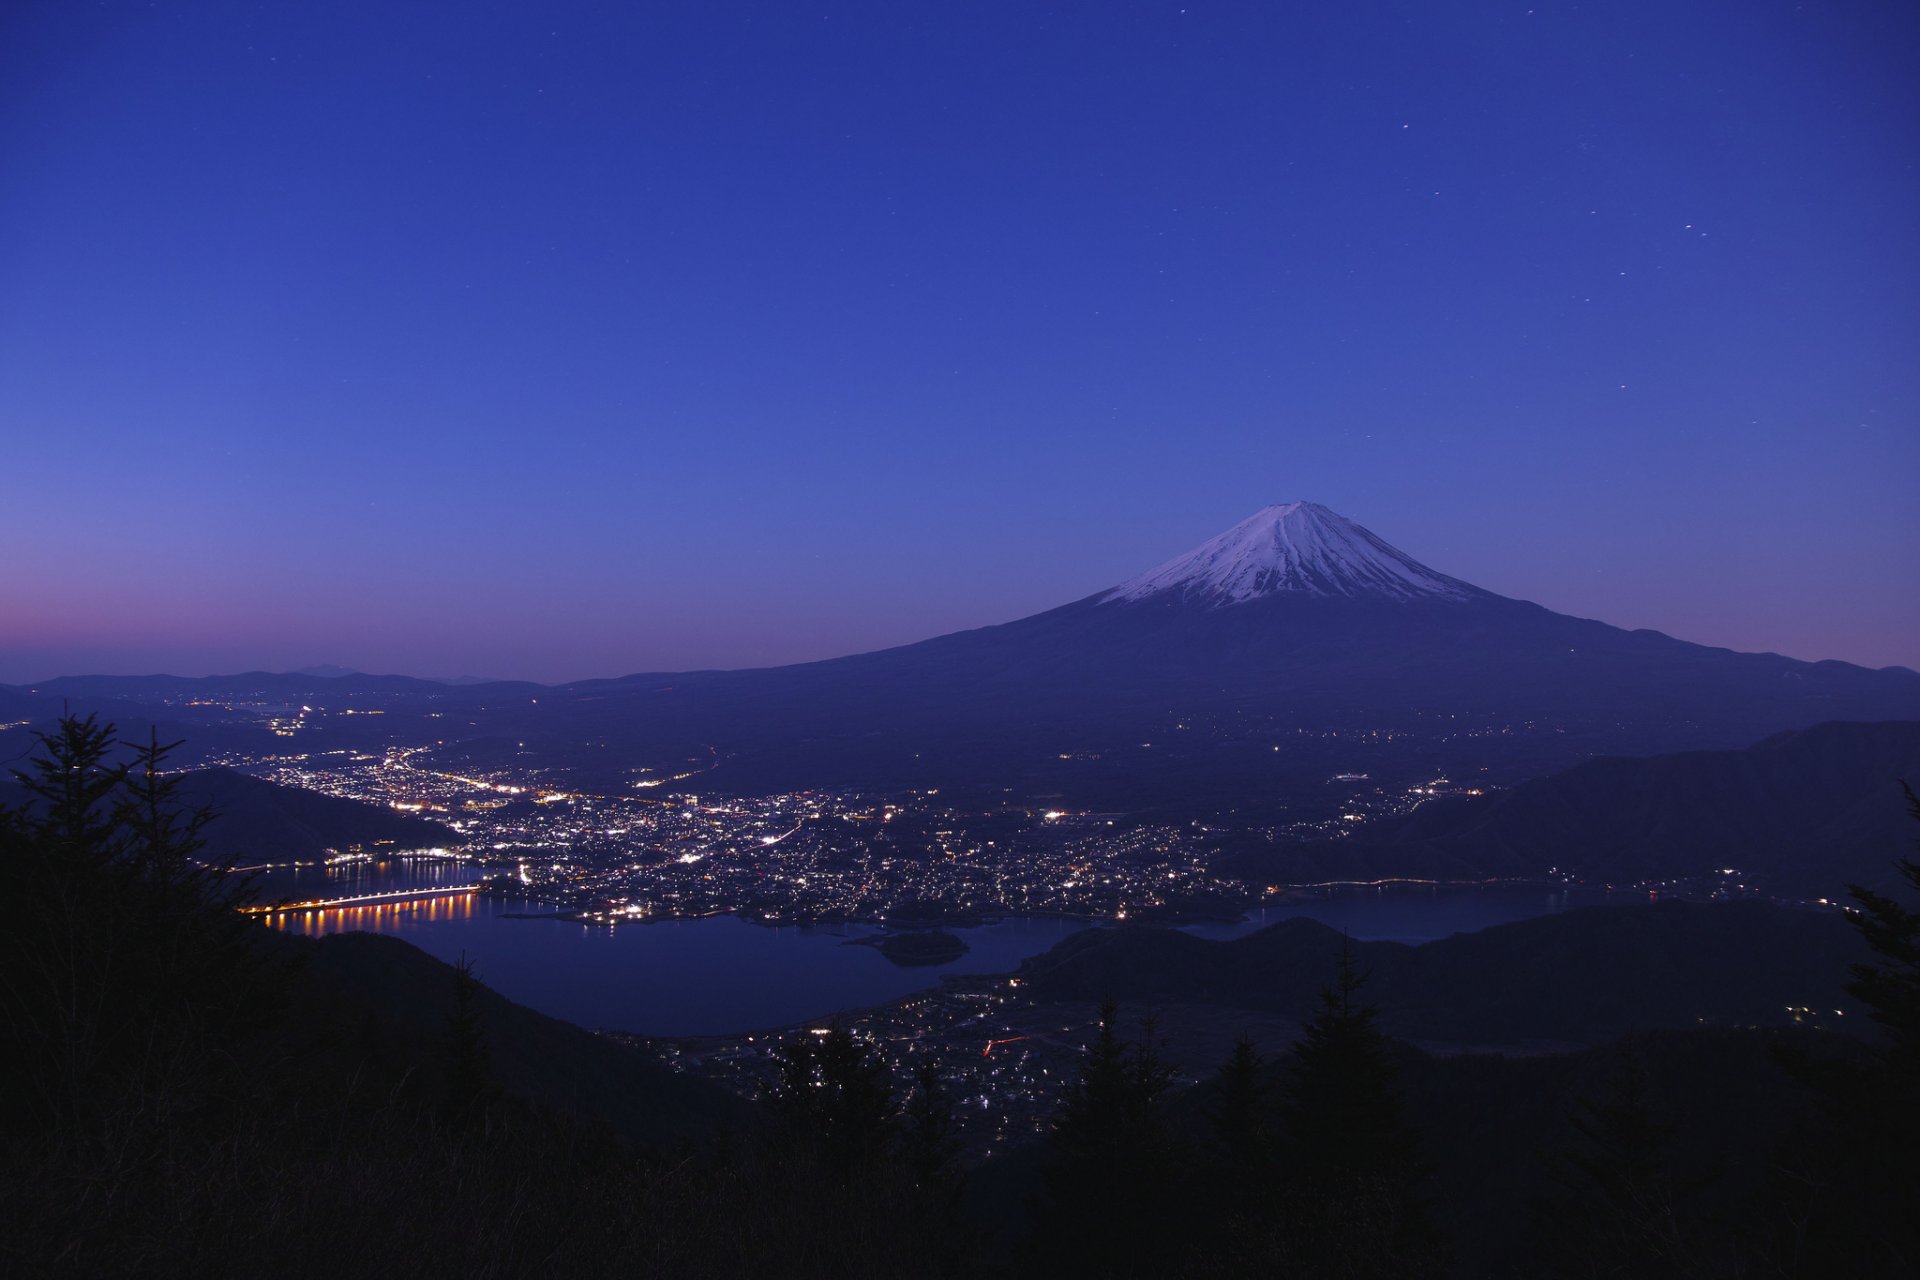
[[809, 857]]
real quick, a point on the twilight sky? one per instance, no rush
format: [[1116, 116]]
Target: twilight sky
[[556, 339]]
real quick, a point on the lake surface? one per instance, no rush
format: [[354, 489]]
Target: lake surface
[[722, 974]]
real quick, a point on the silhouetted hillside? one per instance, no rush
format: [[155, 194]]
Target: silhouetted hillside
[[1497, 1133], [260, 819], [1579, 977], [1802, 813], [264, 821], [371, 1004]]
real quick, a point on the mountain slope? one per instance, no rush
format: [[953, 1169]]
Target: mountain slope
[[1582, 976], [387, 1001], [1802, 813], [1297, 629], [262, 821]]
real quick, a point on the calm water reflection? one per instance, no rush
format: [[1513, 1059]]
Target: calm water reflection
[[719, 974]]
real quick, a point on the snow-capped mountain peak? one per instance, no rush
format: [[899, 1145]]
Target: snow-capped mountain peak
[[1295, 547]]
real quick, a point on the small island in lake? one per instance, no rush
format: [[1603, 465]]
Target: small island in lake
[[921, 947]]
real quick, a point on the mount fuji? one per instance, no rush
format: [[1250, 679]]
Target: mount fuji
[[1237, 675], [1296, 548], [1294, 647]]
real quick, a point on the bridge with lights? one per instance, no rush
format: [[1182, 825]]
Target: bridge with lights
[[364, 899]]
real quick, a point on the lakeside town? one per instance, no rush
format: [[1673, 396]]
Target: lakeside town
[[908, 859]]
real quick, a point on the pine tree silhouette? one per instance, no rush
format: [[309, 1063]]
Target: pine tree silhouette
[[1351, 1175], [1889, 985], [1618, 1214], [1241, 1207], [470, 1089], [1864, 1222], [130, 985], [929, 1141], [832, 1097], [1110, 1205], [1240, 1121], [62, 951], [1342, 1111]]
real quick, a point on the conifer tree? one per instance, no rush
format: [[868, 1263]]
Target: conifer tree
[[831, 1095], [1865, 1222], [1149, 1075], [860, 1106], [163, 841], [929, 1143], [74, 783], [1889, 985], [198, 948], [65, 946], [1109, 1206], [1240, 1206], [1618, 1214], [469, 1072], [1351, 1175], [1239, 1118], [1341, 1109], [130, 983], [1092, 1132]]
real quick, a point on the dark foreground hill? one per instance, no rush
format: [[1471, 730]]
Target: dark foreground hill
[[187, 1094], [1580, 977], [1503, 1138], [1801, 814], [377, 1008]]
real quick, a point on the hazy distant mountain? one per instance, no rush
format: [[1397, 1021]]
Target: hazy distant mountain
[[1805, 813], [329, 671], [268, 686]]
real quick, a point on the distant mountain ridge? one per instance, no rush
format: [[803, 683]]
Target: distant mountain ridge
[[257, 684]]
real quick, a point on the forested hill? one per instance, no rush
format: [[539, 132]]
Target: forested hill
[[379, 1007], [260, 819], [1579, 977], [1800, 814]]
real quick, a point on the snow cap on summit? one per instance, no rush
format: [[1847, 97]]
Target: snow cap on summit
[[1296, 547]]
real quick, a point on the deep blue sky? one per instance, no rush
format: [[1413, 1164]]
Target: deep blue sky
[[557, 339]]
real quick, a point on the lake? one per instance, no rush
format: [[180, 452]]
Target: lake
[[722, 974]]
